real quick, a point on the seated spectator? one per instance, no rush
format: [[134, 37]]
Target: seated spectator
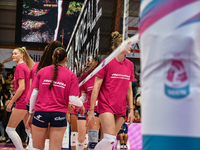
[[3, 71], [137, 117], [2, 82], [122, 136], [2, 137], [13, 70], [138, 103], [1, 94], [9, 81], [136, 90], [11, 90], [7, 114]]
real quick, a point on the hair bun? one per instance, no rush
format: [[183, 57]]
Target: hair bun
[[115, 35]]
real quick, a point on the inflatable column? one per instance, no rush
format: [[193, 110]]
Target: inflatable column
[[170, 66]]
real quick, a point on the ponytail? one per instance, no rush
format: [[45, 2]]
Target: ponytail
[[26, 58], [59, 55]]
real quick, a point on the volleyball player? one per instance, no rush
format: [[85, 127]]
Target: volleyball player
[[46, 60], [87, 88], [113, 89], [50, 99], [73, 127], [21, 85], [90, 65]]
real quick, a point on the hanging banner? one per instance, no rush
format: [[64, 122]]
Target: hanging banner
[[170, 61], [6, 57]]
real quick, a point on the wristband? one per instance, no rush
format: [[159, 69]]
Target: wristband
[[90, 109]]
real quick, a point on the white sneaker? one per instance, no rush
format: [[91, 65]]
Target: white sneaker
[[125, 147], [121, 146], [2, 139]]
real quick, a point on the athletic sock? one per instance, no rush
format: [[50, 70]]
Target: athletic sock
[[93, 137], [15, 138]]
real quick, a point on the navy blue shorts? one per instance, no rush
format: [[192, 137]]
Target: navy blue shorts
[[96, 114], [27, 106], [81, 117], [56, 119]]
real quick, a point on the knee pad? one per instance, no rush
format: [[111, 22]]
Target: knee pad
[[74, 138], [93, 137], [11, 132], [86, 141], [110, 138]]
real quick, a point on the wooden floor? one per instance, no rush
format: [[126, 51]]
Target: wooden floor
[[10, 146]]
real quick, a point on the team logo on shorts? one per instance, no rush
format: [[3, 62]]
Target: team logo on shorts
[[39, 116], [176, 83]]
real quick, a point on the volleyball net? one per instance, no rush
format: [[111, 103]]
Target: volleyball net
[[92, 32]]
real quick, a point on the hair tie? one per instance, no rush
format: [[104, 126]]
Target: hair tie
[[115, 36], [58, 52]]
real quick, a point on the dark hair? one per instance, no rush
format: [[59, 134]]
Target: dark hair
[[7, 93], [46, 58], [8, 75], [1, 66], [97, 59], [59, 55]]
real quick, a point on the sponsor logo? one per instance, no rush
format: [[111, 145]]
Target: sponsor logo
[[38, 118], [55, 83], [120, 76], [103, 63], [176, 82], [91, 74], [59, 118], [90, 88]]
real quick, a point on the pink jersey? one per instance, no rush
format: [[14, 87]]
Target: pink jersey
[[22, 72], [88, 87], [32, 76], [56, 99], [116, 78]]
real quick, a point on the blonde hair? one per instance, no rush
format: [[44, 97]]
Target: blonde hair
[[138, 117], [26, 58], [116, 40]]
